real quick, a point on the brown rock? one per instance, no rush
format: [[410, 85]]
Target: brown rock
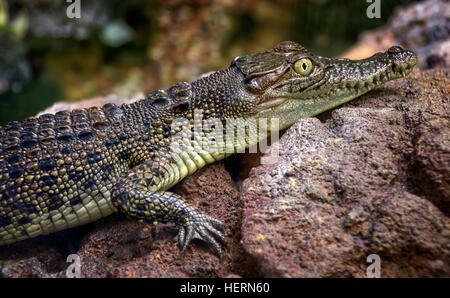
[[371, 178]]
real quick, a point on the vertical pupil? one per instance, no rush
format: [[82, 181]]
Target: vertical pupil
[[304, 66]]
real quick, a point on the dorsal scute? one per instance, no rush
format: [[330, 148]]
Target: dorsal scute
[[158, 98], [180, 91], [178, 97]]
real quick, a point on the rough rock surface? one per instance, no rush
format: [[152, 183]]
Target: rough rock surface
[[371, 178]]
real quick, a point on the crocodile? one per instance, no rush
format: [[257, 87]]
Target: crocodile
[[70, 168]]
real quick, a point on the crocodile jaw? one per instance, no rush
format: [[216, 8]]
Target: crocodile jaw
[[343, 81]]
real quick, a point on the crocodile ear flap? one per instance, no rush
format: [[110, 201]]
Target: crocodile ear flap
[[259, 82], [261, 70], [258, 63]]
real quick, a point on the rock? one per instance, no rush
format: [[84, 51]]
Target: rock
[[371, 178], [39, 257], [422, 27]]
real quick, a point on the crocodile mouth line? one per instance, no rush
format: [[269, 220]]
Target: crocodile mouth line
[[356, 88], [346, 89]]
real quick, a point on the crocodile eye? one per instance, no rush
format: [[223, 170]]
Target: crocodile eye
[[303, 66]]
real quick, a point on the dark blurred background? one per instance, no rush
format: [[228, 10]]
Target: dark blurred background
[[125, 47]]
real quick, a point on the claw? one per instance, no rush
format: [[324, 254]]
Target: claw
[[189, 235], [210, 240], [216, 234], [181, 237], [205, 228], [217, 224]]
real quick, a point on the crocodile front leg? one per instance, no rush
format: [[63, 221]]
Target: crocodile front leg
[[138, 194]]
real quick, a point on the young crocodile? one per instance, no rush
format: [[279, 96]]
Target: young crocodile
[[71, 168]]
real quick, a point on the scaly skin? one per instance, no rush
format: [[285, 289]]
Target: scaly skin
[[64, 170]]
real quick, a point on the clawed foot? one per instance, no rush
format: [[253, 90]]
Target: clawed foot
[[203, 227]]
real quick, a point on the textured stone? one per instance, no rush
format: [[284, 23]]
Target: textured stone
[[371, 177]]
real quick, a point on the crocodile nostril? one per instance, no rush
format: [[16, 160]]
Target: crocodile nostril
[[395, 50]]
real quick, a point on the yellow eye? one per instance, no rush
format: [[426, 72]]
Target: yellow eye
[[303, 66]]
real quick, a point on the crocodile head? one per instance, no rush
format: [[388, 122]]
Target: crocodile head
[[289, 83]]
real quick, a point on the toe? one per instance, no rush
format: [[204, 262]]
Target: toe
[[204, 228]]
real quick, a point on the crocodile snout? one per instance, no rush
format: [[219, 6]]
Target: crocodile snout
[[402, 59]]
